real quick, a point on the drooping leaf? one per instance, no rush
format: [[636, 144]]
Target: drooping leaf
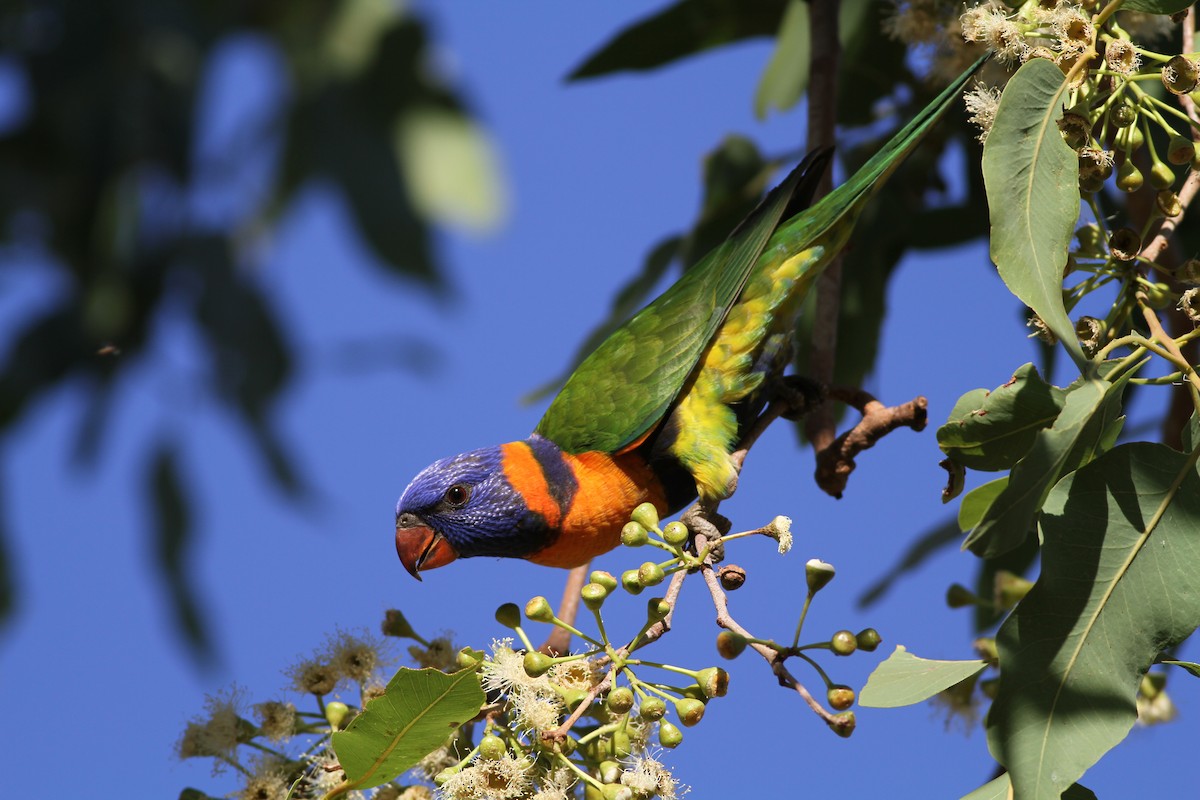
[[904, 679], [1031, 177], [1091, 410], [417, 712], [1190, 666], [684, 29], [1117, 587], [786, 75], [976, 502], [993, 430]]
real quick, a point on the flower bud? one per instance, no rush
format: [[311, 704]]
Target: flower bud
[[731, 577], [730, 644], [492, 748], [1129, 177], [336, 713], [669, 736], [537, 664], [650, 574], [609, 772], [603, 578], [1076, 130], [571, 697], [1159, 295], [620, 744], [868, 639], [1162, 176], [959, 596], [843, 724], [713, 681], [469, 658], [690, 711], [593, 595], [652, 708], [818, 574], [1010, 588], [840, 697], [675, 533], [647, 516], [1091, 241], [843, 643], [620, 700], [445, 775], [616, 791], [539, 610], [1123, 115], [631, 582], [657, 608], [509, 615], [394, 624], [634, 534], [1180, 150]]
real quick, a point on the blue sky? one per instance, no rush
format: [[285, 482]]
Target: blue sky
[[99, 686]]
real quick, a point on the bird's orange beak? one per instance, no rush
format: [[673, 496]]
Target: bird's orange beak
[[420, 548]]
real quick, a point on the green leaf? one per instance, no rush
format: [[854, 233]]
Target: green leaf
[[1165, 7], [976, 502], [904, 679], [1190, 435], [684, 29], [1190, 666], [1092, 408], [786, 75], [1118, 586], [453, 175], [1032, 177], [1001, 789], [993, 430], [415, 715]]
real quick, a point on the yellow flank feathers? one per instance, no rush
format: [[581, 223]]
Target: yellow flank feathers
[[729, 370]]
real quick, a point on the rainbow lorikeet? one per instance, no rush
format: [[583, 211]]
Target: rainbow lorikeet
[[653, 414]]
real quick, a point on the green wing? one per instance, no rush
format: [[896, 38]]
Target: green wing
[[628, 383]]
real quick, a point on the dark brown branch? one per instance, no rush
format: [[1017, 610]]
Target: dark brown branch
[[836, 462]]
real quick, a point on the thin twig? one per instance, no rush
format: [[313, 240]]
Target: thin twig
[[559, 641]]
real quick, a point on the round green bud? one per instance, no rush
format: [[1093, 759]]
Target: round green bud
[[843, 724], [336, 713], [616, 791], [1091, 240], [537, 664], [647, 516], [492, 748], [657, 608], [620, 700], [1162, 176], [840, 697], [868, 639], [843, 643], [469, 658], [652, 708], [443, 776], [959, 596], [1129, 177], [634, 534], [730, 645], [818, 574], [1160, 296], [539, 610], [713, 681], [593, 595], [1180, 150], [1123, 115], [630, 581], [650, 574], [509, 615], [1010, 589], [591, 792], [571, 697], [620, 744], [1130, 139], [609, 772], [690, 711], [603, 578], [675, 533], [669, 736]]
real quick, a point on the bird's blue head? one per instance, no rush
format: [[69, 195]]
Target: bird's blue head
[[461, 507]]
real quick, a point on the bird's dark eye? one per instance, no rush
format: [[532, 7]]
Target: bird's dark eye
[[457, 495]]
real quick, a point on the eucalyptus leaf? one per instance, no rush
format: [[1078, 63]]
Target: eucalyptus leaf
[[1032, 177], [1190, 666], [1164, 7], [416, 713], [976, 502], [904, 679], [786, 75], [993, 430], [1001, 789], [1117, 587]]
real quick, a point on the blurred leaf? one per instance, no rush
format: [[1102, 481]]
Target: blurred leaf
[[873, 71], [8, 581], [452, 173], [1190, 666], [355, 32], [1190, 435], [786, 75], [1076, 437], [687, 28], [415, 715], [1117, 586], [1032, 181], [1164, 7], [1018, 561], [923, 548], [993, 430], [173, 534], [904, 679]]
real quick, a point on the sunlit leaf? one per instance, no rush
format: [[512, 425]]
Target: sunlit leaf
[[1031, 177], [1117, 586], [417, 713], [904, 679], [976, 502], [1190, 666], [1001, 789]]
